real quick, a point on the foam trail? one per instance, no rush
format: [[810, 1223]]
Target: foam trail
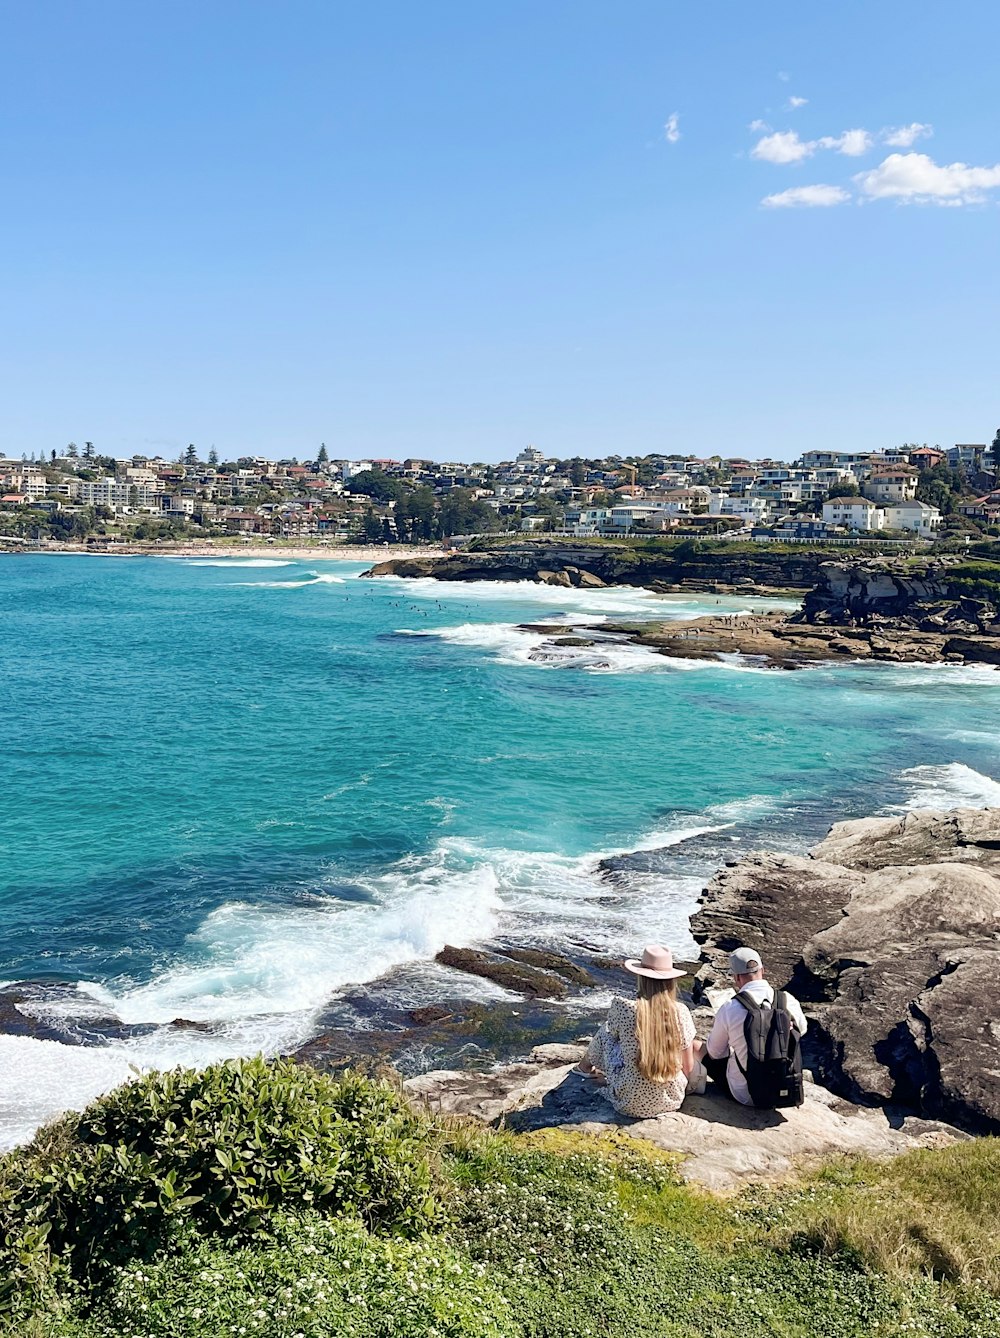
[[313, 578], [238, 563], [953, 785]]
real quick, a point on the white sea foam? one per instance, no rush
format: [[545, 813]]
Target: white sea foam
[[43, 1078], [240, 564], [618, 600], [247, 961], [509, 643], [311, 578], [259, 975], [952, 785]]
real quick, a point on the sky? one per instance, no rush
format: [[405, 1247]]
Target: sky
[[452, 229]]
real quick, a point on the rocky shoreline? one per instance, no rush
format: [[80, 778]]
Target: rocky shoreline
[[889, 933], [881, 609]]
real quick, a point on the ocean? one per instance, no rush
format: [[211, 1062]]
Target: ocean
[[233, 787]]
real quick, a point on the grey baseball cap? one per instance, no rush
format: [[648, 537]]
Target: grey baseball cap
[[745, 961]]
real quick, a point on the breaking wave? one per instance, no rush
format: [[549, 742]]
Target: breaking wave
[[952, 785]]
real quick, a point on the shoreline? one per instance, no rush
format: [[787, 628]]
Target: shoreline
[[293, 552]]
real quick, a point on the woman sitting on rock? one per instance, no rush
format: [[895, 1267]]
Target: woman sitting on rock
[[644, 1048]]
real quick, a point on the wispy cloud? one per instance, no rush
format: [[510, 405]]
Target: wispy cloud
[[671, 131], [794, 103], [784, 76], [905, 136], [759, 127], [785, 146], [915, 178], [807, 197]]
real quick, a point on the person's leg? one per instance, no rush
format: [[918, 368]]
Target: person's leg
[[716, 1070]]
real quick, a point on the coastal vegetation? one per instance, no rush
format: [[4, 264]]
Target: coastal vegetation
[[263, 1198]]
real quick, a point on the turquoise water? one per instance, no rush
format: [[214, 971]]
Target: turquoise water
[[231, 788]]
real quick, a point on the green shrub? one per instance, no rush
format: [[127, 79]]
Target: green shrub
[[313, 1277], [215, 1151]]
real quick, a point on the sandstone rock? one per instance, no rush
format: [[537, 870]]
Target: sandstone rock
[[890, 936], [928, 836], [726, 1144]]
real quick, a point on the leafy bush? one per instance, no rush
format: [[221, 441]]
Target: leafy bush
[[215, 1151], [314, 1277]]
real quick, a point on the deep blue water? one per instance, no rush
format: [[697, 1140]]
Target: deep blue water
[[229, 789]]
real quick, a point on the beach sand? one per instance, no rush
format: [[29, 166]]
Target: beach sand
[[312, 552]]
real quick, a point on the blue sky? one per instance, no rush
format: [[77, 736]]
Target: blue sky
[[452, 228]]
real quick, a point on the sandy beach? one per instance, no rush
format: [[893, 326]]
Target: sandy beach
[[312, 552]]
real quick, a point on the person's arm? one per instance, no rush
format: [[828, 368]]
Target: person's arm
[[717, 1045], [796, 1014], [687, 1036]]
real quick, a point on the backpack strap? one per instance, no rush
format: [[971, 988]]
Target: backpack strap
[[752, 1006]]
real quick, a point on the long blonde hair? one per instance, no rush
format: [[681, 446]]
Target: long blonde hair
[[657, 1029]]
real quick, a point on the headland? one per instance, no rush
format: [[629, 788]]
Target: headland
[[921, 610]]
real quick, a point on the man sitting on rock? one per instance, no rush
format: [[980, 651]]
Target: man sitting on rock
[[725, 1053]]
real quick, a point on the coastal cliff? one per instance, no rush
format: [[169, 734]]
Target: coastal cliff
[[554, 562]]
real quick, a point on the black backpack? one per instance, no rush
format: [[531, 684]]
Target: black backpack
[[774, 1058]]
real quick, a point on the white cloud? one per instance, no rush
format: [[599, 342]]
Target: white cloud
[[784, 76], [671, 133], [853, 143], [904, 136], [784, 146], [759, 127], [807, 197], [795, 103], [914, 178]]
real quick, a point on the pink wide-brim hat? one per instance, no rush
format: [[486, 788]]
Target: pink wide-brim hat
[[656, 962]]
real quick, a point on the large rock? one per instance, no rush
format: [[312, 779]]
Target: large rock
[[890, 935], [725, 1144], [965, 835]]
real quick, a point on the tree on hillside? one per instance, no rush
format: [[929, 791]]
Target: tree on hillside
[[213, 457], [461, 513], [377, 485], [88, 450], [416, 514], [995, 453], [846, 488], [371, 525], [322, 456], [190, 456], [547, 509]]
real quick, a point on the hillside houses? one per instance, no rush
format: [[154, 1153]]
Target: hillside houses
[[850, 493]]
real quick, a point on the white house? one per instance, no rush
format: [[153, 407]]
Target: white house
[[919, 517], [854, 513]]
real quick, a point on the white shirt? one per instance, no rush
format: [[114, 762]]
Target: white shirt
[[727, 1036]]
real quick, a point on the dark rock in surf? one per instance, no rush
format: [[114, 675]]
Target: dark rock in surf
[[520, 978]]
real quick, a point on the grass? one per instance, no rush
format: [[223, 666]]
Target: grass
[[379, 1223], [929, 1213]]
